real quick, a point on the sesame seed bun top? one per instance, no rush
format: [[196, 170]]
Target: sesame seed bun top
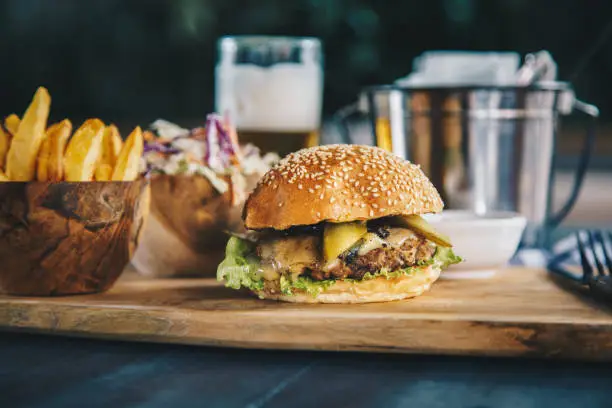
[[339, 183]]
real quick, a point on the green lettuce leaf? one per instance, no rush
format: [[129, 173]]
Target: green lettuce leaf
[[240, 266], [305, 284], [240, 269], [446, 257]]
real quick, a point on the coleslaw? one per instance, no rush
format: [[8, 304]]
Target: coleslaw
[[212, 151]]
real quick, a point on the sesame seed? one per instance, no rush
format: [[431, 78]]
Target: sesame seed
[[371, 213], [280, 204], [331, 200], [374, 205], [300, 187], [311, 191]]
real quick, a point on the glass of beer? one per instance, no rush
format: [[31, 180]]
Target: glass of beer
[[271, 88]]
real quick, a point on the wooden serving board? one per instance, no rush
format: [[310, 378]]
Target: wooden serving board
[[517, 312]]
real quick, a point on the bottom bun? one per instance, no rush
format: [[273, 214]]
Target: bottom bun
[[381, 289]]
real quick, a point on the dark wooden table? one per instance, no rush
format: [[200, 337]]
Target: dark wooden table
[[44, 371]]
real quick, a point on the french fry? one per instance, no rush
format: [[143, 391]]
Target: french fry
[[5, 144], [21, 158], [111, 148], [58, 136], [128, 162], [104, 172], [84, 151], [115, 143], [11, 123], [42, 164], [3, 177]]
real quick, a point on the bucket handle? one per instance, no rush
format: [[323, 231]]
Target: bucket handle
[[583, 164], [341, 119], [343, 116]]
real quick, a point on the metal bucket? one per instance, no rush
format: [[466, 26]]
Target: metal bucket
[[485, 148]]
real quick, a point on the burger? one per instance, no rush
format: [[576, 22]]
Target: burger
[[338, 224]]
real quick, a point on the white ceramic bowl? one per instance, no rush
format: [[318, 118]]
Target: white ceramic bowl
[[485, 242]]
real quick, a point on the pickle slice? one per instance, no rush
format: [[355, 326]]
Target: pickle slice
[[417, 224], [337, 238]]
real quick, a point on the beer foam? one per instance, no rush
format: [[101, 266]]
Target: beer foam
[[284, 97]]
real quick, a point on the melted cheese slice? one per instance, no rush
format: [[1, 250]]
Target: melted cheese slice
[[290, 254], [398, 236]]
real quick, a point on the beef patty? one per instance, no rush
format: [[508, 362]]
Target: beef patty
[[412, 252]]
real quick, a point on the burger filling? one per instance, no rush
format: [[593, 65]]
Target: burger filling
[[313, 257], [388, 248]]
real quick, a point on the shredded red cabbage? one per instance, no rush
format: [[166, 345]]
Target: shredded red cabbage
[[207, 140], [159, 147], [226, 147], [228, 152], [221, 150]]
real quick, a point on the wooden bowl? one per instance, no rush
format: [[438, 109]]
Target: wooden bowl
[[68, 238], [186, 232]]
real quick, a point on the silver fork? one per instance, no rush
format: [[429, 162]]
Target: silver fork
[[596, 272]]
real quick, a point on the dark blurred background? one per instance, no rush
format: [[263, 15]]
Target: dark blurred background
[[132, 61]]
